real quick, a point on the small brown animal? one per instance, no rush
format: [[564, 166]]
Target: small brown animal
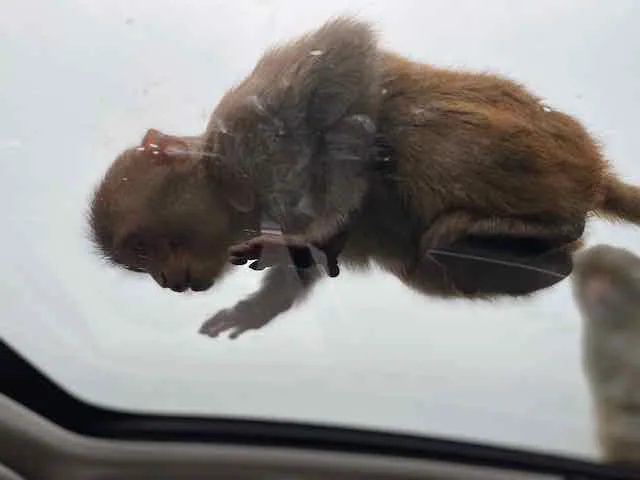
[[460, 184], [606, 284]]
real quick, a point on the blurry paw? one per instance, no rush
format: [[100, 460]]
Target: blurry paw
[[270, 251], [235, 320]]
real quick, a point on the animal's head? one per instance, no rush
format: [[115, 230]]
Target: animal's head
[[163, 209]]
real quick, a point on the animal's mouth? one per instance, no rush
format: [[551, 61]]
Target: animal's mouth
[[193, 287], [178, 289], [201, 286], [183, 283]]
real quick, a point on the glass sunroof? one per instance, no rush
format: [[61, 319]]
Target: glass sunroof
[[81, 81]]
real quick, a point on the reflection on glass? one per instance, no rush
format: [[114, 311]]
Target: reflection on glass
[[356, 152]]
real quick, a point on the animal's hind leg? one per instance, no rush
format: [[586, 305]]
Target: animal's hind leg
[[512, 256]]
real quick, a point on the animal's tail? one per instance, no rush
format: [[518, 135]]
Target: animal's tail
[[621, 201]]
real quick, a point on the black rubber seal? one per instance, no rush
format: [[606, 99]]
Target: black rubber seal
[[23, 383]]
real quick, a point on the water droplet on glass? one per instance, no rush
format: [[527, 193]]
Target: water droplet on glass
[[13, 143], [365, 122]]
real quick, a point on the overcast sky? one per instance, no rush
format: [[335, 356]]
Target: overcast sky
[[81, 80]]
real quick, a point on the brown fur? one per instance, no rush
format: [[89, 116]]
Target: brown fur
[[300, 128], [463, 166], [606, 286]]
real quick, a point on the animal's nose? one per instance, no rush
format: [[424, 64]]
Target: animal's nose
[[178, 281]]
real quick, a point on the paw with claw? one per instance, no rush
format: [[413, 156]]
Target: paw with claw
[[236, 320], [272, 250]]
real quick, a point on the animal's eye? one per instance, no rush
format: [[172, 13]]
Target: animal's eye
[[131, 268], [139, 247]]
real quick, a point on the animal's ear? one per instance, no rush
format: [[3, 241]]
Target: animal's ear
[[164, 148]]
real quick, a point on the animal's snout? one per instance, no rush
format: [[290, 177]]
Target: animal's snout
[[177, 280]]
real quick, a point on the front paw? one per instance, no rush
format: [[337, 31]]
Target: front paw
[[272, 250], [282, 250], [236, 320]]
